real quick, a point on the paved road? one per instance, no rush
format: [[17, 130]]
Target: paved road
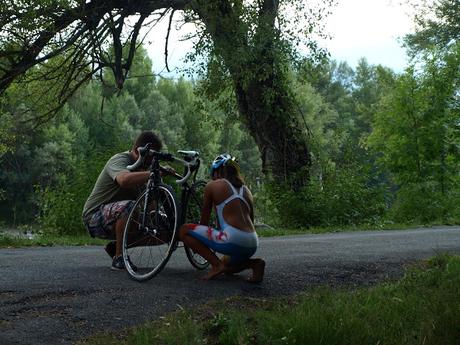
[[59, 295]]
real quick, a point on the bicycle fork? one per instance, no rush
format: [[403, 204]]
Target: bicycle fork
[[147, 224]]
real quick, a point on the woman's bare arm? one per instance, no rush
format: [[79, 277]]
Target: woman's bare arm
[[207, 204], [250, 200]]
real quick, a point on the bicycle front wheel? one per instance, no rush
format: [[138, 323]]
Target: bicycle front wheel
[[192, 209], [150, 233]]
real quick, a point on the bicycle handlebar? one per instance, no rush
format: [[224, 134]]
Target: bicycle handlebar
[[191, 160]]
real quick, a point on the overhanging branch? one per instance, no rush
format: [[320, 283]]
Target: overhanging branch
[[167, 40], [88, 14]]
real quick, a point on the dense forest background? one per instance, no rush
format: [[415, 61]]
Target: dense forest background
[[384, 146]]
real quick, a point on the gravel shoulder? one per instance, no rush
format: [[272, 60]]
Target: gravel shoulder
[[57, 295]]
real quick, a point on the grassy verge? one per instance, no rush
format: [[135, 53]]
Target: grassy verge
[[270, 232], [422, 308], [14, 241]]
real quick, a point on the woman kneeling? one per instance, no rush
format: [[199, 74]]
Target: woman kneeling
[[235, 237]]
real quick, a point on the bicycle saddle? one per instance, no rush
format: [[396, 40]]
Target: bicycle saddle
[[189, 154]]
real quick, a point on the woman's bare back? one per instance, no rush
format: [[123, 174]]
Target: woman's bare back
[[236, 213]]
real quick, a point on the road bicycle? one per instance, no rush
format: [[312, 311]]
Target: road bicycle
[[151, 231]]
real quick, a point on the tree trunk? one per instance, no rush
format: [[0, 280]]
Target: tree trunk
[[282, 142], [263, 92]]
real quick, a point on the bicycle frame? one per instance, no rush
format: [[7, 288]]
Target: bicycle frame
[[155, 179], [160, 216], [185, 188]]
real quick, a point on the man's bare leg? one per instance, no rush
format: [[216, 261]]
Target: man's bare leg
[[119, 231], [135, 238]]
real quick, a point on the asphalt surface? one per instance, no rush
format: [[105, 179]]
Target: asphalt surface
[[59, 295]]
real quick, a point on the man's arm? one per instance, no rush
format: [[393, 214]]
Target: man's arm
[[132, 179]]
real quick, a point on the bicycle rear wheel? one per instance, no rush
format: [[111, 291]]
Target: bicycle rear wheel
[[149, 241], [192, 208]]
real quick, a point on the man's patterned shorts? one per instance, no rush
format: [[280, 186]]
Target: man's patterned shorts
[[101, 223]]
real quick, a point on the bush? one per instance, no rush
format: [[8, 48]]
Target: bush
[[425, 202], [60, 210], [61, 205], [343, 198]]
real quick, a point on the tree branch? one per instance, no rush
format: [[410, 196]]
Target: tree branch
[[133, 44], [88, 13], [167, 40]]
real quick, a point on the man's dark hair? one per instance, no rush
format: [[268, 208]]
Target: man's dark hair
[[148, 137]]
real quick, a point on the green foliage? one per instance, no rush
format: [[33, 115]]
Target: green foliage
[[61, 204], [416, 133], [140, 79], [345, 188], [340, 198], [6, 134], [425, 202], [437, 26]]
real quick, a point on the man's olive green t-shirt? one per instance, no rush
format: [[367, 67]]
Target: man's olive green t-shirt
[[106, 189]]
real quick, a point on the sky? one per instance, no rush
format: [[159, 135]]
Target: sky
[[359, 28], [370, 29]]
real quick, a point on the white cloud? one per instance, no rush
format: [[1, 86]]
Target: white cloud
[[369, 29]]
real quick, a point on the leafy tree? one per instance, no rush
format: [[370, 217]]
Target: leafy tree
[[342, 190], [17, 182], [332, 80], [438, 26], [253, 43], [416, 130], [140, 79], [202, 128], [6, 133], [53, 159], [60, 205], [320, 119]]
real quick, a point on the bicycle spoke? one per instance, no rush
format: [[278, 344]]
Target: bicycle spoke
[[136, 243], [192, 215], [148, 246]]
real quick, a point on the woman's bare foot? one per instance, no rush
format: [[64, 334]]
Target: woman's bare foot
[[258, 270], [215, 271]]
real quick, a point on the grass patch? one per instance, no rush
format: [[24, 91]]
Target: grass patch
[[46, 240], [270, 232], [422, 308]]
